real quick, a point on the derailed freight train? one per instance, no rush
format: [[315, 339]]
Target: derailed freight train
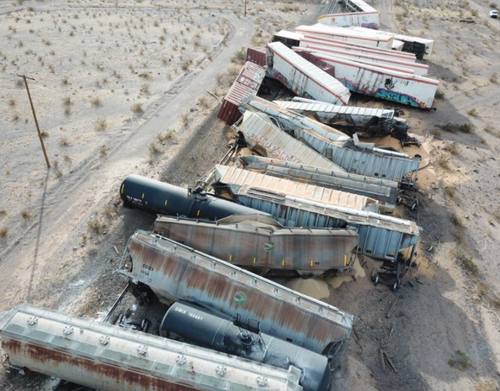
[[266, 248], [204, 328], [110, 358], [177, 272]]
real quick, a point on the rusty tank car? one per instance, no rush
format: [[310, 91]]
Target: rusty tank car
[[177, 272], [266, 248], [110, 358]]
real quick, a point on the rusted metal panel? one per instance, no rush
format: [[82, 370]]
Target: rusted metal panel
[[316, 61], [109, 358], [307, 251], [383, 190], [235, 178], [257, 56], [380, 236], [264, 137], [174, 272], [302, 77], [247, 84]]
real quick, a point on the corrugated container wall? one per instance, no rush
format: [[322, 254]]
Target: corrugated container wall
[[257, 56], [246, 84], [316, 61]]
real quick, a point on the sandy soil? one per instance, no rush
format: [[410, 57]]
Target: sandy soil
[[61, 253]]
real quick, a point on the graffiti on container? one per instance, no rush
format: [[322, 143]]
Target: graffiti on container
[[384, 94], [397, 97], [278, 76], [275, 150]]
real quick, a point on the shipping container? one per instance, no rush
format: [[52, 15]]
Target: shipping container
[[416, 45], [345, 34], [177, 272], [302, 77], [380, 236], [257, 56], [247, 84], [325, 56], [351, 13], [263, 248], [411, 90], [364, 121], [233, 178], [355, 48], [385, 191], [110, 358], [287, 38], [371, 59], [262, 136]]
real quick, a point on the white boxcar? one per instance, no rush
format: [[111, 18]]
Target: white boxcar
[[417, 45], [303, 77], [345, 34], [355, 48], [411, 90], [357, 13], [325, 56], [373, 59]]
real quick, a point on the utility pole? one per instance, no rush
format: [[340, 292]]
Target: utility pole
[[24, 77]]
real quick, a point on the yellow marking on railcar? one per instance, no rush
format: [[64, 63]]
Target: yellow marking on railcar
[[166, 202], [198, 213], [254, 260], [345, 259], [312, 263], [230, 258], [143, 194], [123, 188], [283, 262]]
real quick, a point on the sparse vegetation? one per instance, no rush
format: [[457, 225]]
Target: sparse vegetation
[[454, 149], [44, 134], [12, 102], [460, 361], [137, 108], [26, 214], [488, 128], [472, 112], [101, 124], [240, 56], [453, 128], [103, 150], [95, 102], [154, 148], [456, 220], [465, 260], [440, 94], [64, 142], [162, 137], [95, 226], [450, 191], [3, 232], [443, 161]]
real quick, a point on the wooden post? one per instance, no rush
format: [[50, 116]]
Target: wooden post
[[34, 116]]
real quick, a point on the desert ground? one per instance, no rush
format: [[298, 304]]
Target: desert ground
[[128, 87]]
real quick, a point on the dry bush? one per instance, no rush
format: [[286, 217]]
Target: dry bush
[[95, 102], [64, 142], [101, 124], [26, 214], [3, 232], [137, 108]]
